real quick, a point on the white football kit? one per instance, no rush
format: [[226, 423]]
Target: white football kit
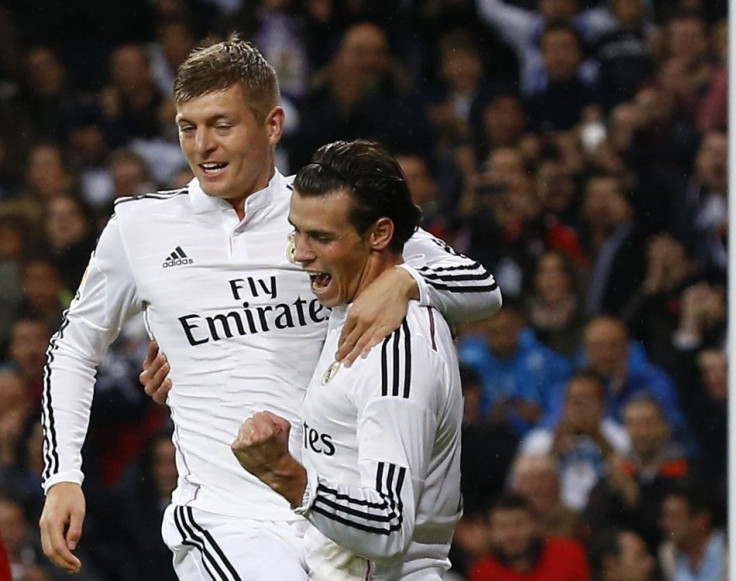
[[237, 321], [381, 444]]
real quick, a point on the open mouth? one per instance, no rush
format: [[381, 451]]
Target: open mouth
[[212, 169], [319, 280]]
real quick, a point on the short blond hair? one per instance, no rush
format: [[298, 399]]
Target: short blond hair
[[217, 66]]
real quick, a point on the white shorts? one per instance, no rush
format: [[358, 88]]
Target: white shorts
[[212, 547]]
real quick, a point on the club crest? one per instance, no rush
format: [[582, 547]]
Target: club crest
[[331, 372], [291, 249]]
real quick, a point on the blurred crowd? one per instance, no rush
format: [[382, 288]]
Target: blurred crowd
[[577, 149]]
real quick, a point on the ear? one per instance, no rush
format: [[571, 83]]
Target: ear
[[381, 234], [275, 125]]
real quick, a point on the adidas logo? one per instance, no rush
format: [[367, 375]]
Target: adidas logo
[[177, 258]]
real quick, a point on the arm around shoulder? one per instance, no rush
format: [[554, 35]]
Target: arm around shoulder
[[462, 289]]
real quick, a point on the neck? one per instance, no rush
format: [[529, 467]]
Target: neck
[[378, 262], [238, 203]]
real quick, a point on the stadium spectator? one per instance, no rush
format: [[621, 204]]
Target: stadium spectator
[[694, 546], [708, 414], [44, 294], [553, 304], [520, 551], [618, 554], [424, 192], [518, 373], [363, 91], [631, 492], [29, 339], [625, 370], [522, 29], [71, 237], [16, 407], [46, 96], [615, 245], [131, 100], [560, 102], [14, 242], [624, 58], [581, 441], [536, 477]]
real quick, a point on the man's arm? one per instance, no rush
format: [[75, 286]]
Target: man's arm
[[457, 286], [396, 437], [435, 275], [105, 299]]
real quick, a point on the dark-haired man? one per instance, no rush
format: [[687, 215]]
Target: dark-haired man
[[520, 551], [381, 444]]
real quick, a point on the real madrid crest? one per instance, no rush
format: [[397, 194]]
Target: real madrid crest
[[291, 249], [331, 372]]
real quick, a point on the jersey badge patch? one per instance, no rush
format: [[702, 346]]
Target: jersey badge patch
[[291, 249], [331, 372]]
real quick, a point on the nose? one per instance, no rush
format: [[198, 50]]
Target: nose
[[303, 252], [203, 142]]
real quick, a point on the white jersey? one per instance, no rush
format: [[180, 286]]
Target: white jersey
[[236, 319], [381, 444]]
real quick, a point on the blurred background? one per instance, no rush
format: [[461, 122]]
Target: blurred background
[[576, 148]]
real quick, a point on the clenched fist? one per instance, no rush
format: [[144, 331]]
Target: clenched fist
[[262, 448], [262, 442]]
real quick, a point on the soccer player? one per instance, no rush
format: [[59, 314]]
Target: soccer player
[[381, 440], [212, 268]]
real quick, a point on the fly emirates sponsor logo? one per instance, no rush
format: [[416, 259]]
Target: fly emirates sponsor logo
[[250, 319]]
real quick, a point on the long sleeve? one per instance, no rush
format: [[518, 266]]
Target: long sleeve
[[105, 300], [459, 287], [397, 427]]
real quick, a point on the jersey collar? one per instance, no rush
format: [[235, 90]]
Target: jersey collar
[[257, 205]]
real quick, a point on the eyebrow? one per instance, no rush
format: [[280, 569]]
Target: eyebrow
[[212, 119], [313, 231]]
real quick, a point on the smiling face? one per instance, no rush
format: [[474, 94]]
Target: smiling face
[[229, 150], [329, 247]]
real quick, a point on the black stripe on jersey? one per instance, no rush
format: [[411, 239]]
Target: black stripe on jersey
[[393, 359], [162, 195], [471, 265], [432, 329], [211, 540], [50, 445], [459, 273], [396, 503], [384, 367], [407, 359], [381, 518], [180, 252], [190, 538], [397, 358], [456, 275], [464, 288]]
